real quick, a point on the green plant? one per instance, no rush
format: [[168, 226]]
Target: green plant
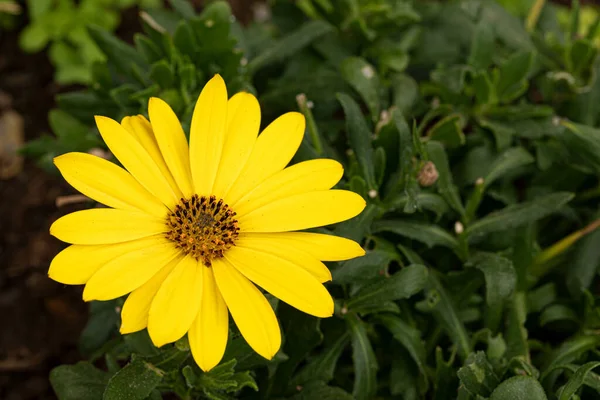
[[61, 26], [479, 278]]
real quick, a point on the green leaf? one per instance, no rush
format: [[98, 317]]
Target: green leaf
[[405, 92], [558, 312], [134, 382], [118, 53], [518, 215], [401, 285], [184, 8], [570, 350], [408, 336], [477, 375], [319, 390], [431, 235], [322, 367], [445, 185], [359, 136], [448, 131], [585, 261], [290, 44], [446, 313], [162, 73], [358, 269], [363, 77], [482, 46], [583, 144], [34, 38], [511, 159], [513, 76], [365, 363], [425, 201], [102, 324], [519, 388], [500, 282], [590, 379], [79, 381]]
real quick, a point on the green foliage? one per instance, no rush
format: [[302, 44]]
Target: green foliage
[[477, 284], [60, 26]]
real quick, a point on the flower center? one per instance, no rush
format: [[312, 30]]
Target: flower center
[[203, 227]]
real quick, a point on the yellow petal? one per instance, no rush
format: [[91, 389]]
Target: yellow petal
[[322, 247], [176, 303], [273, 150], [286, 250], [107, 183], [207, 135], [128, 272], [209, 332], [135, 159], [134, 315], [172, 143], [303, 211], [105, 226], [283, 279], [307, 176], [249, 309], [140, 127], [243, 123], [76, 264]]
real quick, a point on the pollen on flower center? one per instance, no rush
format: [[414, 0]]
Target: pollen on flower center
[[203, 227]]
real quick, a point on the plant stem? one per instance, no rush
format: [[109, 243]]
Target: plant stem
[[534, 15], [310, 123]]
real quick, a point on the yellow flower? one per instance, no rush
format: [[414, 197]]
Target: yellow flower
[[192, 229]]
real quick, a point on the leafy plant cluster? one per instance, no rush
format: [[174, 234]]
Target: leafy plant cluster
[[474, 137], [61, 26]]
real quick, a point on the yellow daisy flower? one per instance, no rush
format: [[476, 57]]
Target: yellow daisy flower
[[192, 229]]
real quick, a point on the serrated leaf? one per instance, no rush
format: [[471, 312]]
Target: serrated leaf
[[402, 285], [518, 215], [359, 136], [363, 77], [431, 235], [79, 381], [365, 363], [134, 382], [519, 388]]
